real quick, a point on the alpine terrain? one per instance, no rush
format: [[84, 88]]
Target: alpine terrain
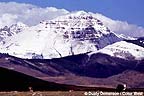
[[74, 49], [67, 35]]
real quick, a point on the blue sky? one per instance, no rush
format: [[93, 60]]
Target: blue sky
[[131, 11]]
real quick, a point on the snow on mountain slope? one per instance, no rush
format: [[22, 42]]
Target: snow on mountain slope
[[12, 30], [123, 50], [72, 34]]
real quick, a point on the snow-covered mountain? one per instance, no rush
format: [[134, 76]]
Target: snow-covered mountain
[[72, 34], [123, 50], [7, 31]]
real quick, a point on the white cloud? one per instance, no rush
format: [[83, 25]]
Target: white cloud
[[7, 19], [13, 12], [121, 27]]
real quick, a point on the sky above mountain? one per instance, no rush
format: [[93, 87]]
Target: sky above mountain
[[121, 16], [124, 10]]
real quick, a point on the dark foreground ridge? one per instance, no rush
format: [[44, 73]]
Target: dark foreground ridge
[[15, 81], [12, 80]]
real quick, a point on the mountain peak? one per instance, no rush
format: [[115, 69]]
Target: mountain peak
[[71, 34]]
